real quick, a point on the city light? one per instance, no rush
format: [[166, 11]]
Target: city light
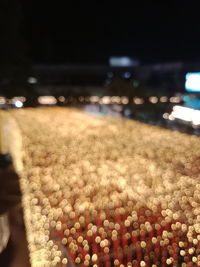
[[166, 116], [192, 83], [122, 62], [2, 100], [175, 99], [153, 99], [61, 98], [32, 80], [115, 99], [186, 114], [126, 75], [138, 100], [94, 99], [124, 100], [18, 104], [163, 99], [17, 98], [47, 100]]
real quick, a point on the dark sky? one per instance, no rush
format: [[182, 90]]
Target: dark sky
[[91, 31]]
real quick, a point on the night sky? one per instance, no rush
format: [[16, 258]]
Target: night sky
[[91, 31]]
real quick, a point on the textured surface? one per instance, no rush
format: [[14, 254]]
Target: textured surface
[[106, 192]]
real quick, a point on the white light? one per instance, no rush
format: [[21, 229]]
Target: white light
[[47, 100], [182, 113], [32, 80], [186, 114], [192, 82], [166, 116], [106, 100], [171, 117], [122, 62], [18, 104]]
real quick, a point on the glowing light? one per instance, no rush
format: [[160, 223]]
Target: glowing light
[[192, 83], [47, 100], [127, 75], [61, 98], [122, 62], [2, 100], [105, 100], [32, 80], [163, 99], [138, 100], [153, 99], [166, 116], [94, 99], [16, 98], [171, 117], [186, 114], [115, 99], [18, 104], [124, 100], [175, 99]]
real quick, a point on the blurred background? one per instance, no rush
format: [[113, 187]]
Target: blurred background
[[141, 62]]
